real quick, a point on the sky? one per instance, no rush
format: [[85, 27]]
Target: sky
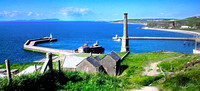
[[97, 10]]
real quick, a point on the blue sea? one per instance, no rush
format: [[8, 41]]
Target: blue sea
[[73, 34]]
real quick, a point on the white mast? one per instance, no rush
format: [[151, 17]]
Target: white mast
[[50, 35]]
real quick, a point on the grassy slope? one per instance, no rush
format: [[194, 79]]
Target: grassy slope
[[135, 64], [21, 66], [185, 80], [178, 63], [130, 78], [64, 80], [191, 21], [188, 22]]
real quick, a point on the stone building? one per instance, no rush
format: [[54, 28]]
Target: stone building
[[90, 65], [111, 63]]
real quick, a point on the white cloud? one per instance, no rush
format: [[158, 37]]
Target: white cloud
[[29, 13], [162, 13], [70, 11], [14, 13], [9, 13]]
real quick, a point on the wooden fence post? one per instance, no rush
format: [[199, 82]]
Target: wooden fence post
[[35, 67], [8, 71], [90, 54], [48, 62], [58, 65], [49, 57]]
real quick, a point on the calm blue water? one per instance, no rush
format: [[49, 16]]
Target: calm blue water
[[73, 34]]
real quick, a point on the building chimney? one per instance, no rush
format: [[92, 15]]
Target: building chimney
[[125, 41]]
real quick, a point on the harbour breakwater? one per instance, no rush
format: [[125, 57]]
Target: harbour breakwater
[[31, 45]]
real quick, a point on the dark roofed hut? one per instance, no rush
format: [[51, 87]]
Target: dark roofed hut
[[97, 58], [90, 65], [111, 63]]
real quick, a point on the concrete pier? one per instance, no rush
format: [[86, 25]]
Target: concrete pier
[[34, 42], [31, 45]]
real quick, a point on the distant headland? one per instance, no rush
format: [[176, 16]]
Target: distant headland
[[191, 23]]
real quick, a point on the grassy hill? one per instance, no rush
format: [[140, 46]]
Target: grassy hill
[[131, 77], [192, 23]]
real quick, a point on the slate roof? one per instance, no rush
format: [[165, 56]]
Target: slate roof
[[115, 56], [93, 61], [97, 58]]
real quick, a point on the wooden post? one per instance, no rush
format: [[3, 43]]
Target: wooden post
[[171, 68], [49, 57], [48, 62], [58, 65], [35, 67], [90, 54], [8, 71]]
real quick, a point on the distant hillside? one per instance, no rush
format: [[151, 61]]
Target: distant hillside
[[144, 21], [192, 23]]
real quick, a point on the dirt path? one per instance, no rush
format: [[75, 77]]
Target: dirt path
[[147, 88], [152, 70]]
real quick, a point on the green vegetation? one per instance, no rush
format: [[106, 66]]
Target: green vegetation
[[121, 54], [40, 51], [64, 80], [134, 63], [178, 63], [192, 24], [88, 54], [185, 80], [131, 77], [21, 66], [190, 21]]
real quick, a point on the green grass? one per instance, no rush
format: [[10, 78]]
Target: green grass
[[192, 21], [178, 63], [66, 80], [21, 66], [134, 64], [40, 51], [88, 54], [185, 80], [131, 77], [121, 54]]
